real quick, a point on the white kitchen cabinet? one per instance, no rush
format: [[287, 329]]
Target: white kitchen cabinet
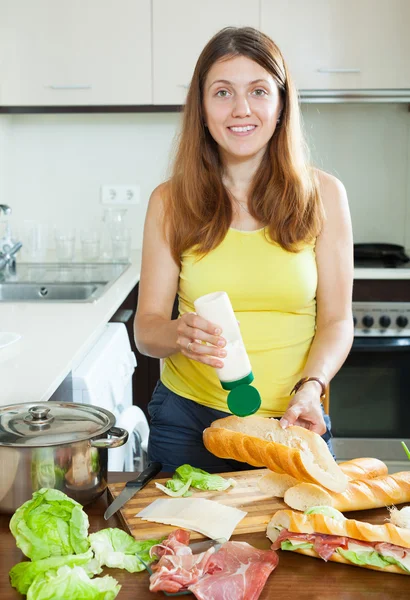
[[181, 28], [342, 44], [76, 52]]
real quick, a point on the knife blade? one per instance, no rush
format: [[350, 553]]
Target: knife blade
[[132, 487]]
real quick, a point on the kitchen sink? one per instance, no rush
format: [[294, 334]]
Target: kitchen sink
[[60, 282], [68, 292]]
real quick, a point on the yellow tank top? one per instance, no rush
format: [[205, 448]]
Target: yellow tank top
[[273, 294]]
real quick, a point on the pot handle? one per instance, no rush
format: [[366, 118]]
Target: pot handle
[[119, 438]]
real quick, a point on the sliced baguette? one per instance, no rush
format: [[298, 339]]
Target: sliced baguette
[[364, 468], [297, 522], [340, 559], [277, 484], [262, 442], [359, 495]]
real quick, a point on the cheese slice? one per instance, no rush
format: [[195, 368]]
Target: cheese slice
[[208, 517]]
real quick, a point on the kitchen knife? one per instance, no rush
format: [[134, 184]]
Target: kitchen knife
[[132, 487]]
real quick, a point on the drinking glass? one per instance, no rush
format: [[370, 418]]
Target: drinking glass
[[90, 245], [34, 236], [65, 244], [121, 244]]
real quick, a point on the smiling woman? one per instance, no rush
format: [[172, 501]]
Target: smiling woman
[[243, 212]]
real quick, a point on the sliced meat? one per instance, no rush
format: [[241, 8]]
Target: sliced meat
[[176, 543], [238, 571], [176, 572], [386, 549]]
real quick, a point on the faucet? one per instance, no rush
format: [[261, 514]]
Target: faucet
[[5, 208], [7, 252], [7, 258]]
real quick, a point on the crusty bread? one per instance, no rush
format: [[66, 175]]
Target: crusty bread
[[359, 495], [364, 468], [298, 522], [277, 484], [262, 442]]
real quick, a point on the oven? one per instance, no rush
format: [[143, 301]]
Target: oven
[[370, 395]]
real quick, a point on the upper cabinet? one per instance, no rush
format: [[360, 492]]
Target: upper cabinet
[[342, 44], [181, 28], [76, 52]]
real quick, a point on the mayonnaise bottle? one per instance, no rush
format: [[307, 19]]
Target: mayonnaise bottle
[[236, 374]]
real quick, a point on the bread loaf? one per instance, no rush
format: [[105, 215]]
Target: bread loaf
[[276, 484], [356, 531], [262, 442], [359, 495], [364, 468]]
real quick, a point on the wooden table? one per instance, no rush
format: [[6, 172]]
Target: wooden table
[[295, 576]]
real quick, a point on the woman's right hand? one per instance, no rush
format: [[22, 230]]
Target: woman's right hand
[[191, 331]]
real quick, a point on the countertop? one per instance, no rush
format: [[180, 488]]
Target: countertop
[[360, 273], [295, 576], [55, 336]]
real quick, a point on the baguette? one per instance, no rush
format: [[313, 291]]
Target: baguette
[[277, 484], [286, 522], [359, 495], [262, 442]]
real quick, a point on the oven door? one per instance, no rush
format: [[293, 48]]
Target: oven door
[[370, 401]]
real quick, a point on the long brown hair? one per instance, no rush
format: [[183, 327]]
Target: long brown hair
[[284, 195]]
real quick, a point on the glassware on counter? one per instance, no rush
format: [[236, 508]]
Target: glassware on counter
[[90, 245], [65, 244]]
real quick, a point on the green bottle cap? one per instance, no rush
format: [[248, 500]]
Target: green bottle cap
[[244, 400], [230, 385]]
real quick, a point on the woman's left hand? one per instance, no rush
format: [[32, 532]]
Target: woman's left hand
[[305, 410]]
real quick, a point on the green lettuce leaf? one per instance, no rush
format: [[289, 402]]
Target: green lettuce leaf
[[287, 545], [328, 511], [72, 584], [50, 524], [201, 479], [370, 558], [407, 451], [23, 574], [175, 484], [115, 548]]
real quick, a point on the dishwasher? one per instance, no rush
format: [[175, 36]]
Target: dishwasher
[[103, 378]]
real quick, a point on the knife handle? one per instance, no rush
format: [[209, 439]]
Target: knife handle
[[145, 476]]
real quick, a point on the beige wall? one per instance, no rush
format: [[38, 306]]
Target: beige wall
[[52, 166]]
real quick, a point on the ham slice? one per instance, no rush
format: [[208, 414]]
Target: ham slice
[[175, 573], [237, 571], [176, 543]]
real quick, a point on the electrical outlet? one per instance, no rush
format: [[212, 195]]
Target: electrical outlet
[[120, 194]]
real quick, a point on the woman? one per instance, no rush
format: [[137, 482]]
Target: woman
[[243, 212]]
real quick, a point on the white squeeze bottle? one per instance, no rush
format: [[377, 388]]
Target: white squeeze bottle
[[236, 374]]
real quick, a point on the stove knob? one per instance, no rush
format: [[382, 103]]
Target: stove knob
[[402, 321], [354, 321], [384, 321], [367, 321]]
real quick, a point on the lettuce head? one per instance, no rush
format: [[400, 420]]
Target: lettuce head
[[73, 584], [50, 524], [24, 573]]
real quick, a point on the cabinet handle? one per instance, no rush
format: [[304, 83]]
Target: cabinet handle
[[324, 70], [69, 87], [183, 85]]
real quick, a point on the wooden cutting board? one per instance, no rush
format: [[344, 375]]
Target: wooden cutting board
[[245, 496]]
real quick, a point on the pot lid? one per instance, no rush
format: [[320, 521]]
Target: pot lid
[[52, 423]]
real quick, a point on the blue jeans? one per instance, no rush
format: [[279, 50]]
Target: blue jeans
[[176, 433]]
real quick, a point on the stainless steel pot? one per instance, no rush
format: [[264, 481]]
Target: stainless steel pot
[[56, 445]]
